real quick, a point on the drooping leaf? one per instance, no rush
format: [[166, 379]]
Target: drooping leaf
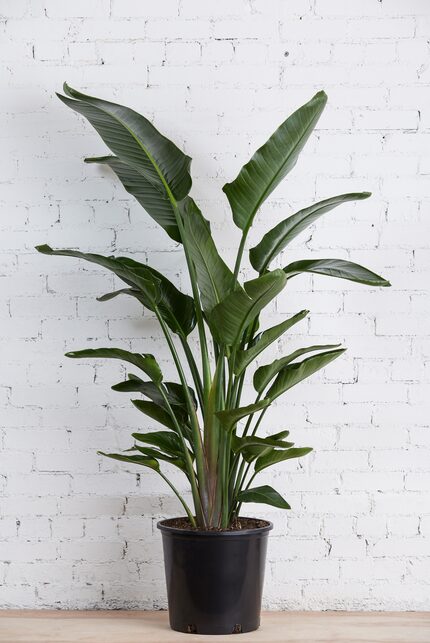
[[250, 446], [135, 141], [274, 456], [149, 286], [145, 361], [174, 391], [272, 162], [265, 495], [263, 340], [176, 308], [156, 412], [158, 455], [142, 460], [132, 272], [230, 417], [292, 374], [336, 268], [155, 200], [214, 278], [164, 440], [282, 234], [229, 319], [264, 374], [122, 291]]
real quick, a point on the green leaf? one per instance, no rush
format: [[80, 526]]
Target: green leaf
[[155, 201], [274, 456], [230, 318], [132, 272], [121, 291], [156, 412], [135, 141], [250, 446], [230, 417], [263, 340], [164, 440], [174, 393], [292, 374], [158, 455], [176, 308], [145, 361], [336, 268], [265, 495], [265, 374], [214, 278], [272, 162], [282, 234], [150, 287], [144, 461]]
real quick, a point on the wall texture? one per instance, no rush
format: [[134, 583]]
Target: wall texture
[[79, 532]]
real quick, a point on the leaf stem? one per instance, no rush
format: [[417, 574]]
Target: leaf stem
[[184, 504]]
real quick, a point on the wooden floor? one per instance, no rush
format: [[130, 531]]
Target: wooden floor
[[152, 627]]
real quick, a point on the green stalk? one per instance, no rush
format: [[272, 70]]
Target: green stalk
[[184, 504], [190, 468], [200, 322], [193, 279], [197, 438], [240, 254], [194, 370]]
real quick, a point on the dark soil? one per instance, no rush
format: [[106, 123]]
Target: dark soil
[[237, 525]]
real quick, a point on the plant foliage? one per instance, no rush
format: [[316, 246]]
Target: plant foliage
[[207, 430]]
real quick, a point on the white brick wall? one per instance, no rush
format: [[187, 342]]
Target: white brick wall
[[79, 532]]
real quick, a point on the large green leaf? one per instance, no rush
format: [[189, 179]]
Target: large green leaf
[[156, 412], [250, 446], [264, 495], [132, 272], [280, 236], [264, 374], [336, 268], [263, 340], [134, 140], [230, 318], [159, 455], [164, 440], [145, 361], [176, 308], [122, 291], [155, 200], [292, 374], [272, 162], [149, 286], [174, 391], [274, 456], [214, 278], [230, 417], [142, 460]]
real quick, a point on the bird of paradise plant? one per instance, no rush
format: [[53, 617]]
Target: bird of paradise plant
[[208, 433]]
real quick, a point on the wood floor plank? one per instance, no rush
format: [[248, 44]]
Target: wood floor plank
[[152, 627]]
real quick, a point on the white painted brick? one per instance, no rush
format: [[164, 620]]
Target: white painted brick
[[136, 8], [217, 78], [400, 547], [96, 552], [80, 9], [347, 547]]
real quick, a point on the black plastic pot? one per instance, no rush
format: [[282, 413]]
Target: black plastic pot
[[214, 578]]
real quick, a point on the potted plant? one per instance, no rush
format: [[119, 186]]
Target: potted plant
[[214, 557]]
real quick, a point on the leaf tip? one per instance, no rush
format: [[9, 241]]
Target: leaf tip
[[44, 249], [320, 96]]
